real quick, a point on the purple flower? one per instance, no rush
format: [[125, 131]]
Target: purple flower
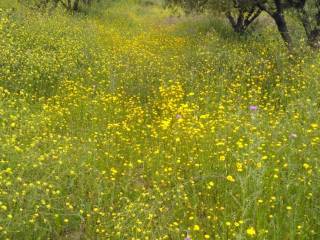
[[253, 108], [178, 116]]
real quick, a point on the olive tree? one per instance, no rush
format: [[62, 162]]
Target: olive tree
[[240, 13], [308, 12], [309, 15]]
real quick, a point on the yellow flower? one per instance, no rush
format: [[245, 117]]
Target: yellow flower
[[306, 165], [251, 231], [196, 227], [207, 236], [314, 125], [230, 178]]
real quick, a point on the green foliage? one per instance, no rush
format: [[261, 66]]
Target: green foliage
[[70, 5]]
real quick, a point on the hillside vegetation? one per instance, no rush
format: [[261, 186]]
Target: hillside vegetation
[[129, 121]]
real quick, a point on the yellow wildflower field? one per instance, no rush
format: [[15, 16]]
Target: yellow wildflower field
[[131, 124]]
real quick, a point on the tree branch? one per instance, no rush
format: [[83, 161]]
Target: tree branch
[[253, 17]]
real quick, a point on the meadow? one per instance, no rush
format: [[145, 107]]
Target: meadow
[[130, 122]]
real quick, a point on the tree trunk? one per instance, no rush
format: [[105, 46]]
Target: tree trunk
[[240, 24], [69, 5], [239, 27], [279, 19], [314, 39], [76, 5], [283, 29]]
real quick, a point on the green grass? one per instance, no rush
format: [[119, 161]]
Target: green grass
[[128, 123]]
